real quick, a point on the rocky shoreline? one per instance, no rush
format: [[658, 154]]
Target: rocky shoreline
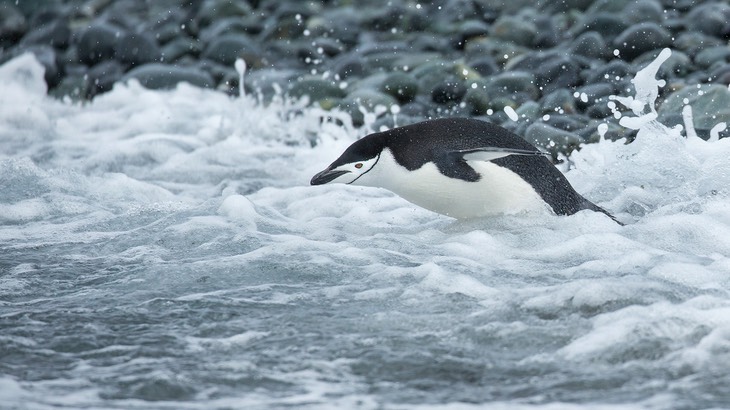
[[553, 63]]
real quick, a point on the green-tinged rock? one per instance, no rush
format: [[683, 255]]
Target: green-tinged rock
[[403, 87], [477, 101], [515, 30], [528, 111], [161, 76], [641, 38], [710, 56], [508, 84], [559, 101], [369, 100], [552, 139], [316, 88], [710, 105]]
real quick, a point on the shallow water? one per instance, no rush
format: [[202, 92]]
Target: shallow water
[[164, 250]]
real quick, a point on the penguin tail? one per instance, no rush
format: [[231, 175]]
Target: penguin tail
[[593, 207]]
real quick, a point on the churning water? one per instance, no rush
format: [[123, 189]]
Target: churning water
[[163, 250]]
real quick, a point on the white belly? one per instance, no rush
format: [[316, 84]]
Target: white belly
[[498, 191]]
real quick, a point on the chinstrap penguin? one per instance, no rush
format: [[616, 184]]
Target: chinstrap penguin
[[459, 167]]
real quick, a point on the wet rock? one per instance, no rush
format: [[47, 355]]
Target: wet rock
[[592, 94], [590, 44], [552, 71], [448, 91], [720, 75], [711, 18], [468, 30], [215, 10], [54, 33], [401, 86], [137, 49], [485, 66], [692, 43], [161, 76], [97, 43], [514, 30], [552, 139], [710, 105], [477, 101], [613, 73], [12, 24], [510, 84], [368, 100], [607, 25], [712, 56], [316, 88], [227, 48], [559, 101], [643, 11], [641, 38], [180, 47], [101, 77]]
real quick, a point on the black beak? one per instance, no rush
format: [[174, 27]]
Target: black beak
[[326, 176]]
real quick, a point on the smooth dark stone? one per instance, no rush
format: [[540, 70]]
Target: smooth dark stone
[[712, 55], [97, 43], [214, 10], [468, 30], [137, 49], [596, 94], [13, 25], [316, 88], [101, 77], [711, 18], [640, 38], [511, 83], [448, 91], [176, 49], [721, 75], [229, 25], [552, 139], [609, 25], [552, 71], [567, 122], [560, 101], [643, 11], [485, 66], [370, 100], [590, 44], [477, 101], [710, 105], [55, 34], [547, 34], [514, 30], [269, 81], [612, 73], [226, 49], [349, 66], [401, 86], [692, 43], [162, 76]]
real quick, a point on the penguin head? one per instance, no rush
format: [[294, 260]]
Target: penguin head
[[353, 165]]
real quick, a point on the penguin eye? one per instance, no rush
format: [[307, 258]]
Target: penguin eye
[[358, 165]]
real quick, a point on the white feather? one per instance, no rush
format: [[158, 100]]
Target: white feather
[[498, 191]]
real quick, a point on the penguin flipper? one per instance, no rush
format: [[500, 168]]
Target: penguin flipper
[[492, 153]]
